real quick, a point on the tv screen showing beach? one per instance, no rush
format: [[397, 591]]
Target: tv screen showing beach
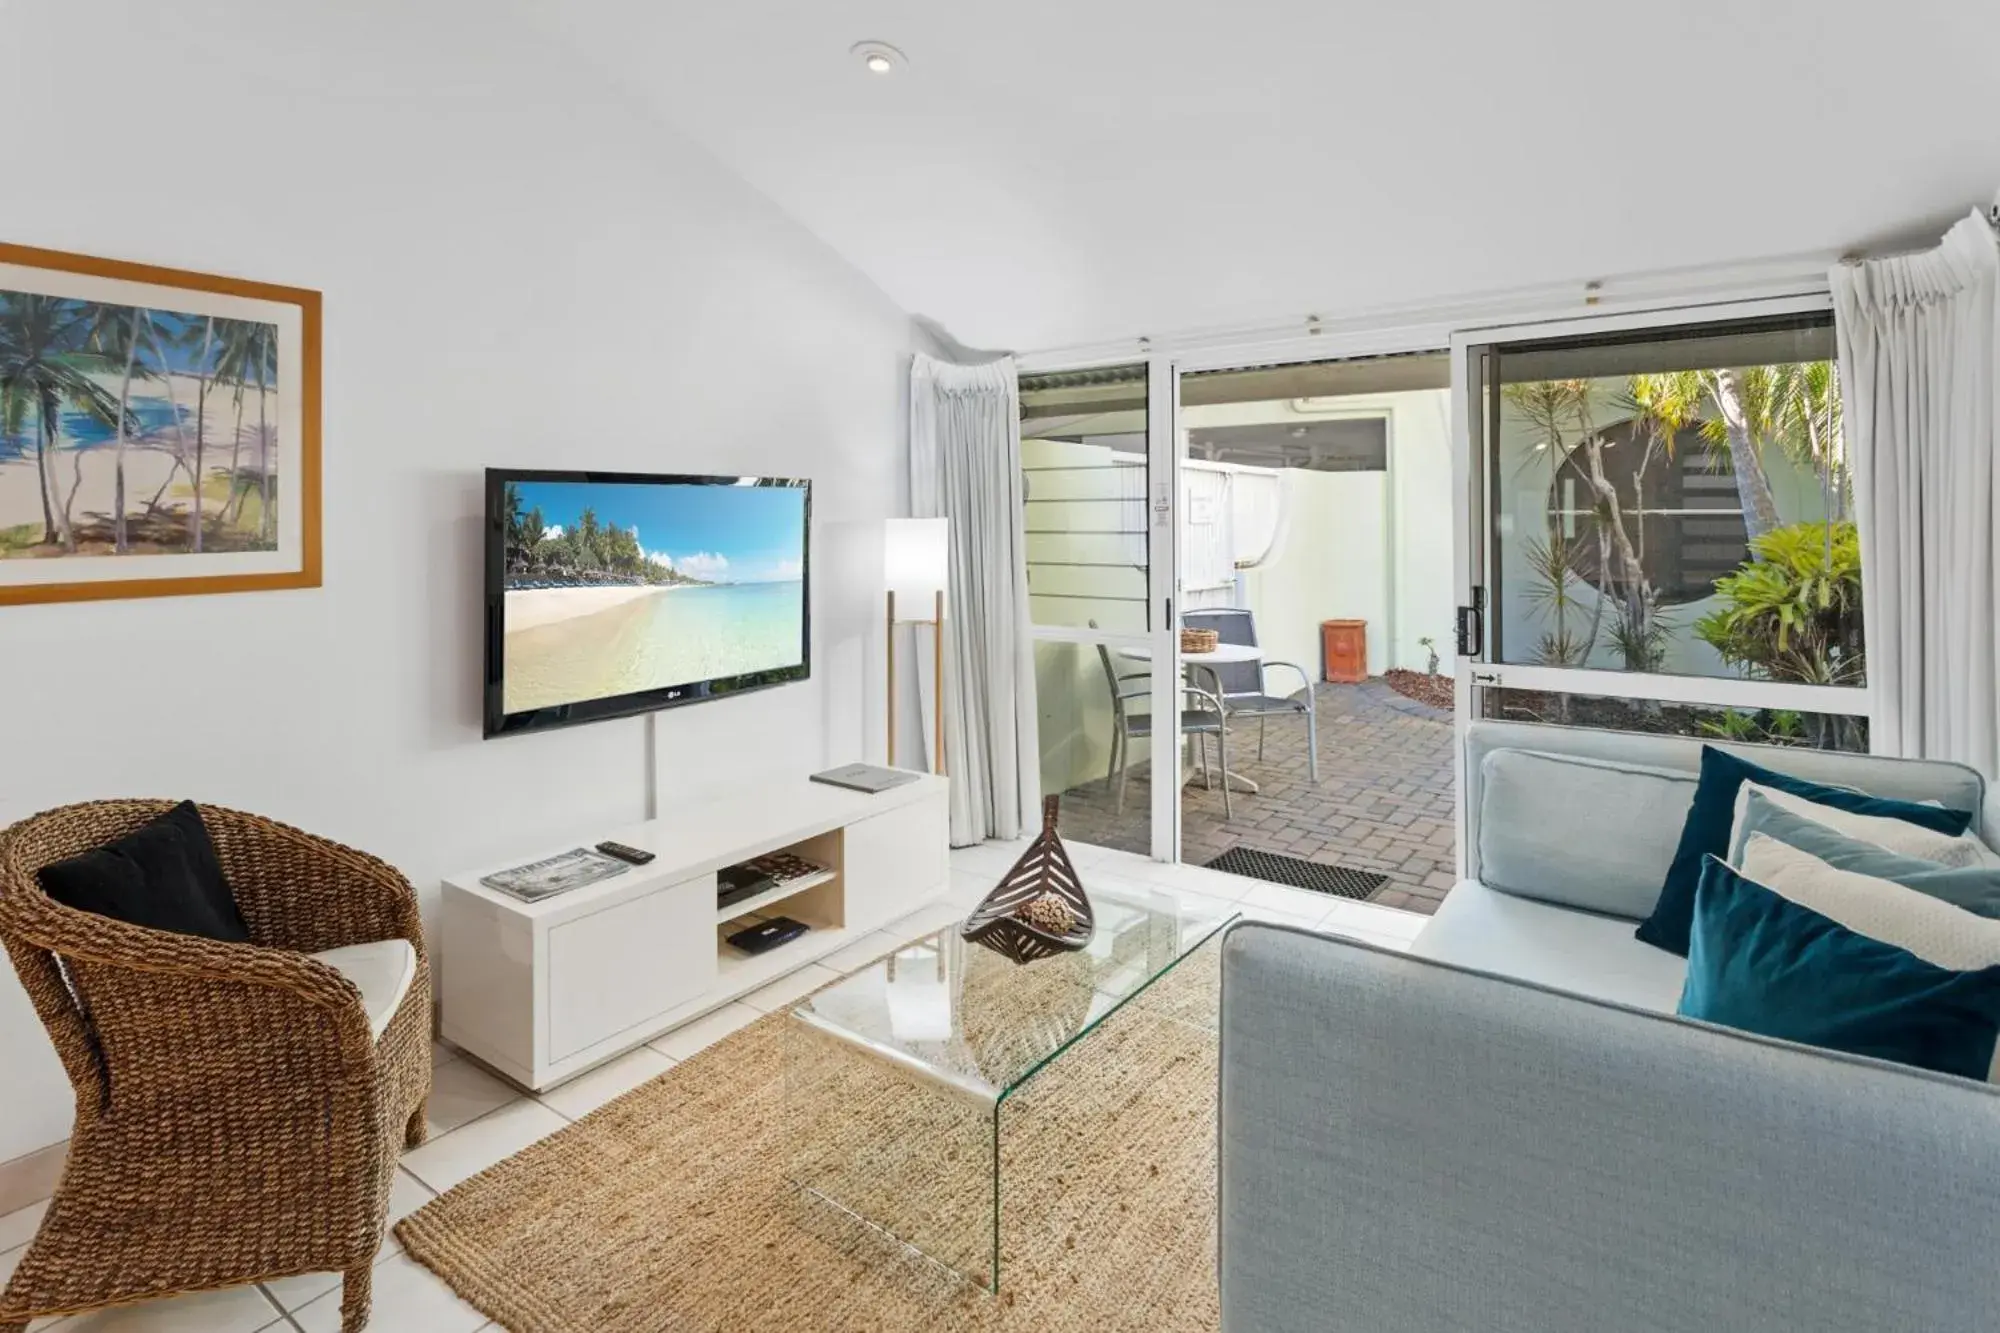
[[613, 588]]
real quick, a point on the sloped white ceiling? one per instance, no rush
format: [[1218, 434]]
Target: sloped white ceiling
[[1046, 172]]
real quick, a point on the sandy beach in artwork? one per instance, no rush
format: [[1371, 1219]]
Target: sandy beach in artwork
[[146, 467], [87, 478], [532, 608]]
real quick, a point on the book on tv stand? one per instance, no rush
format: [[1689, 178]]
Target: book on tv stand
[[868, 778]]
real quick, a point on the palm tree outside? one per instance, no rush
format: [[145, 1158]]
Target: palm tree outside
[[1751, 415]]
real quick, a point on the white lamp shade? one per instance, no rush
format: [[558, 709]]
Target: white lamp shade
[[913, 561]]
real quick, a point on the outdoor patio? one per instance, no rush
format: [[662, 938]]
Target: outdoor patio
[[1383, 803]]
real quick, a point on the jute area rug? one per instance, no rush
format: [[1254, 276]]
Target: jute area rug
[[668, 1210]]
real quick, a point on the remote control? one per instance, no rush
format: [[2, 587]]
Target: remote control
[[624, 853]]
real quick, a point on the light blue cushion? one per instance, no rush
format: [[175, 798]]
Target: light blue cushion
[[1764, 964], [1975, 888], [1581, 832]]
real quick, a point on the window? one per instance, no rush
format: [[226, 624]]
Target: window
[[1760, 726], [1083, 465], [1674, 502], [1330, 444]]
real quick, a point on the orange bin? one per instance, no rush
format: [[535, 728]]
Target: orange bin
[[1343, 646]]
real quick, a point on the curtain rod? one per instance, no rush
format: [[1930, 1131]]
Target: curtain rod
[[1395, 325]]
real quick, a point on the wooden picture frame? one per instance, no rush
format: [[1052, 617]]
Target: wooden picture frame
[[180, 453]]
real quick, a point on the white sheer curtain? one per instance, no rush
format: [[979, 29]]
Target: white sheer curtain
[[965, 465], [1918, 336]]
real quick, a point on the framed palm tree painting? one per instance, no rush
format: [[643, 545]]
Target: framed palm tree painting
[[159, 431]]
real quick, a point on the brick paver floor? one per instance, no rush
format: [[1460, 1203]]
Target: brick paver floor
[[1383, 803]]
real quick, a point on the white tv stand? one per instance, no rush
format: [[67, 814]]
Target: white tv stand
[[540, 992]]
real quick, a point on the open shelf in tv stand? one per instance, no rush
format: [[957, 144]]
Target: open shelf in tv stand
[[766, 903], [541, 992]]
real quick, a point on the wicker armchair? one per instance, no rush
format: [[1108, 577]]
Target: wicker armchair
[[235, 1119]]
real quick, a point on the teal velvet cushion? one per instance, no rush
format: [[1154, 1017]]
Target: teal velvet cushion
[[1975, 888], [1761, 963], [1713, 815]]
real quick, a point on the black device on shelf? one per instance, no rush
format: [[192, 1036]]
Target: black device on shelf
[[734, 884], [768, 935]]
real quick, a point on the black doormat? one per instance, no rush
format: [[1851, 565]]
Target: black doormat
[[1338, 881]]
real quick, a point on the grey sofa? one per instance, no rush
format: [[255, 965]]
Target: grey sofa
[[1508, 1129]]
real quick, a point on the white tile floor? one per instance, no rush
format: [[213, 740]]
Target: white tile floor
[[477, 1120]]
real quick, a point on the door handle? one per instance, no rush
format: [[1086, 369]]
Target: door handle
[[1471, 631]]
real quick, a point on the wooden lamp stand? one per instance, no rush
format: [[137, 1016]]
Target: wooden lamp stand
[[936, 622]]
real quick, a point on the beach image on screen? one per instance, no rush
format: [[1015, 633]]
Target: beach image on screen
[[613, 588]]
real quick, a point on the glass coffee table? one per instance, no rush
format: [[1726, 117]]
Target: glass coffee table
[[898, 1079]]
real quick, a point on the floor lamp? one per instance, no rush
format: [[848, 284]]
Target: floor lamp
[[913, 570]]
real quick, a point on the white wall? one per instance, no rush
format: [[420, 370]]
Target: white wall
[[1425, 577], [1365, 545], [519, 269], [1334, 566]]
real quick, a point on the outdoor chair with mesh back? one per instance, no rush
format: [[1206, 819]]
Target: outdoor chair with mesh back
[[1243, 684], [1207, 718]]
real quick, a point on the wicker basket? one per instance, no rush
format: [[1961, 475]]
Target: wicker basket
[[1044, 871], [1199, 640]]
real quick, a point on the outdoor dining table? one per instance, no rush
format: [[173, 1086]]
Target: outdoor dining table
[[1223, 654]]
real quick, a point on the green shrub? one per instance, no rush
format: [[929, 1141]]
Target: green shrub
[[1794, 611]]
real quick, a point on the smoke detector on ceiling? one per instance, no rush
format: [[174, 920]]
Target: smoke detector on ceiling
[[878, 57]]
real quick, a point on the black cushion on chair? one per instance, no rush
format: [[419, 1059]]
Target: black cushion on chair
[[164, 875]]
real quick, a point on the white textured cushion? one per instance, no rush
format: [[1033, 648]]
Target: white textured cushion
[[1934, 930], [381, 971], [1895, 835]]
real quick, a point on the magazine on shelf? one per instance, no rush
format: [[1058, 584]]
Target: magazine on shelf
[[868, 778], [555, 874]]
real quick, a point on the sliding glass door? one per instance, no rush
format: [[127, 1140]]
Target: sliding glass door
[[1316, 542], [1097, 474], [1641, 522], [1300, 508]]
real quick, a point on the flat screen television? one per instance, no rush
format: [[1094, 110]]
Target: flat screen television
[[613, 593]]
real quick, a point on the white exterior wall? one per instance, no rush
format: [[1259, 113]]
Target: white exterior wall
[[1336, 565], [1364, 545]]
